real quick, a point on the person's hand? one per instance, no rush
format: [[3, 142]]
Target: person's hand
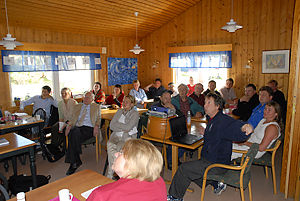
[[198, 115], [244, 98], [201, 130], [68, 130], [142, 102], [247, 128], [96, 131]]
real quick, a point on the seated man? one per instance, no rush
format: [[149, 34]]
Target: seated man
[[247, 103], [84, 124], [155, 90], [171, 89], [41, 101], [211, 88], [138, 93], [220, 131], [228, 93], [265, 96], [184, 103], [197, 94], [116, 98]]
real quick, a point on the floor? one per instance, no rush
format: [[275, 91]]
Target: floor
[[261, 187]]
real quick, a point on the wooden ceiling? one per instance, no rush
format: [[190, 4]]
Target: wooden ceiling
[[103, 17]]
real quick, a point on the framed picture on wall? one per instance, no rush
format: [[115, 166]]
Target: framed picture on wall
[[276, 61]]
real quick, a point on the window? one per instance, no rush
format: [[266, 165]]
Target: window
[[27, 84]]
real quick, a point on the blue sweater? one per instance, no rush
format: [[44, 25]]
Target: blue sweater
[[219, 134], [257, 115]]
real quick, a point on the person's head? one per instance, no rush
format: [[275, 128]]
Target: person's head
[[157, 83], [191, 80], [183, 90], [97, 87], [136, 84], [265, 94], [65, 93], [165, 97], [198, 88], [273, 84], [88, 98], [140, 160], [117, 89], [229, 83], [250, 90], [212, 85], [171, 86], [46, 90], [213, 104], [272, 111], [128, 102]]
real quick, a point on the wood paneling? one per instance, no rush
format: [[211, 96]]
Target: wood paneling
[[291, 154], [38, 39], [267, 26]]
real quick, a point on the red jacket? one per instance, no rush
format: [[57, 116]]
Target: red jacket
[[118, 101]]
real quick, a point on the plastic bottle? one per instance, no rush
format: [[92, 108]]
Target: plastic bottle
[[188, 120], [21, 196]]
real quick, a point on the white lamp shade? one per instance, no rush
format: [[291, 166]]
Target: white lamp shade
[[231, 26], [136, 49], [9, 43]]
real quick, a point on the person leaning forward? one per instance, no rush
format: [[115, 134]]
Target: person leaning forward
[[84, 124]]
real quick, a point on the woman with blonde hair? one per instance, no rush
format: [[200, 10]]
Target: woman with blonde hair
[[138, 93], [124, 127], [138, 165]]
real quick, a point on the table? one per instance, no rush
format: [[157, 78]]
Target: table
[[19, 145], [11, 126], [175, 145], [77, 183]]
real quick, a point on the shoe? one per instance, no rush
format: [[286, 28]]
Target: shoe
[[220, 189], [171, 198], [73, 168]]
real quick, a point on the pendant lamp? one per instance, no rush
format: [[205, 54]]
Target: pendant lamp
[[231, 26], [136, 49], [8, 42]]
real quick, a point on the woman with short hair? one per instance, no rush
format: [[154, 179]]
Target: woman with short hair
[[124, 126], [138, 165], [138, 93]]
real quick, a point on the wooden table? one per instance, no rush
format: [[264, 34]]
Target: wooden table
[[77, 183], [19, 145], [13, 126], [175, 145]]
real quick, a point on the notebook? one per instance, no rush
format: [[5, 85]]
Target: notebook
[[180, 133]]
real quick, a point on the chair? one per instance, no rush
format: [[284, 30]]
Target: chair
[[236, 176], [3, 188], [267, 160]]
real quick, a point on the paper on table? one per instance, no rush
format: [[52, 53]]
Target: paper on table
[[3, 142], [86, 194]]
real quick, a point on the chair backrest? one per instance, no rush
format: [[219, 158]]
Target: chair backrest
[[42, 113], [54, 117], [251, 155]]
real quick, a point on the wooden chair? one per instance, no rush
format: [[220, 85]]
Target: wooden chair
[[236, 176]]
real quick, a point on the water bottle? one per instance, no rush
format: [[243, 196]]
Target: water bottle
[[188, 120], [21, 196]]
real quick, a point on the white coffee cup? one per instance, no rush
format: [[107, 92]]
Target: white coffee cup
[[37, 117], [65, 195], [227, 111], [61, 125]]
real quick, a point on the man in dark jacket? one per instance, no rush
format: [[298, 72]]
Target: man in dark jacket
[[247, 103], [219, 133]]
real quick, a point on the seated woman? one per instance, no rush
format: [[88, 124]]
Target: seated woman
[[265, 133], [116, 98], [64, 111], [99, 93], [138, 165], [184, 103], [124, 127], [138, 93]]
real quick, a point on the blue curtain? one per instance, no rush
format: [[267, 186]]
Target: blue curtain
[[33, 61], [219, 59]]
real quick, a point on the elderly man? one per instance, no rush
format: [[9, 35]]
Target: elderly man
[[155, 90], [184, 103], [197, 94], [220, 132], [228, 93], [165, 101], [84, 124], [247, 103], [265, 96]]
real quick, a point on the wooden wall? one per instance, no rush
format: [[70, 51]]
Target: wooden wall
[[116, 47], [267, 26]]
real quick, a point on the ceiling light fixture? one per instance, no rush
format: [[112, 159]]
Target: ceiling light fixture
[[136, 49], [231, 25], [8, 42]]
